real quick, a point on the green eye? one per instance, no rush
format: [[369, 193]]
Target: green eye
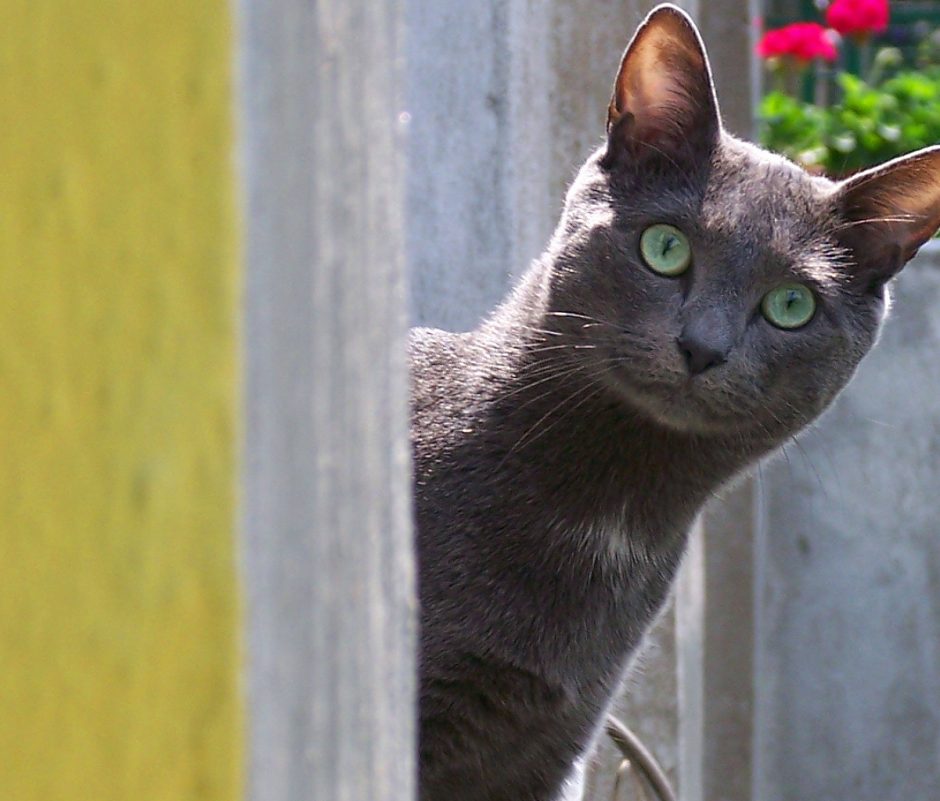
[[665, 249], [789, 306]]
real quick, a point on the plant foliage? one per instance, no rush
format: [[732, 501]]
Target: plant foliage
[[869, 123]]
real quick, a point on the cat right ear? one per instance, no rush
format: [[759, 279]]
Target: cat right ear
[[889, 212], [663, 106]]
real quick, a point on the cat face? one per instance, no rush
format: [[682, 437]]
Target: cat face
[[718, 287], [705, 349]]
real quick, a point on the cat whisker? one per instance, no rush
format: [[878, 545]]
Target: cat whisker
[[528, 439], [813, 429], [545, 331], [902, 218], [809, 463], [542, 365], [793, 438], [577, 316], [566, 358], [552, 377], [596, 321], [568, 314], [568, 345], [877, 422]]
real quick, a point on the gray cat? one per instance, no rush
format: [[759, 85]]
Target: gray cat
[[700, 302]]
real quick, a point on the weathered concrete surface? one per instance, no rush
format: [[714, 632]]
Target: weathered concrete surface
[[715, 627], [328, 546], [458, 239], [848, 676]]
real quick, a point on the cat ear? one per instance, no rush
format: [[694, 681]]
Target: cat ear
[[889, 212], [664, 103]]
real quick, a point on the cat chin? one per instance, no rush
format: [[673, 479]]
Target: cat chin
[[681, 409], [692, 421]]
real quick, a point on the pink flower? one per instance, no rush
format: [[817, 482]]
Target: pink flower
[[803, 41], [858, 17]]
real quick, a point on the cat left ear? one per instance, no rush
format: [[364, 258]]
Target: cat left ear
[[889, 212], [663, 105]]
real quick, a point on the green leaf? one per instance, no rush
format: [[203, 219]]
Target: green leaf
[[868, 124]]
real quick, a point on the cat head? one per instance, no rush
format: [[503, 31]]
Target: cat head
[[717, 286]]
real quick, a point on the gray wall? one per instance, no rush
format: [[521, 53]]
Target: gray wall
[[326, 512], [848, 677]]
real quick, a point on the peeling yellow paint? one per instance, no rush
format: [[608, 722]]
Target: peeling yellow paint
[[118, 292]]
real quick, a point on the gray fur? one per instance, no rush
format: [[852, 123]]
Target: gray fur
[[563, 449]]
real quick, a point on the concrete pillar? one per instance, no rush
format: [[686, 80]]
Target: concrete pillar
[[715, 632], [458, 188], [328, 555]]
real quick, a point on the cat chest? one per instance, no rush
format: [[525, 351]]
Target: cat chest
[[585, 619]]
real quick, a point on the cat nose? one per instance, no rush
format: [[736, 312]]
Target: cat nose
[[701, 351]]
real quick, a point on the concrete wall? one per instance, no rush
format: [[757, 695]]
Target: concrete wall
[[848, 647], [328, 551]]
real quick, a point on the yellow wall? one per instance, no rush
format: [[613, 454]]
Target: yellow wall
[[118, 289]]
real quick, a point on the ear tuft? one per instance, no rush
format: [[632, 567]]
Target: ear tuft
[[890, 211], [664, 99]]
